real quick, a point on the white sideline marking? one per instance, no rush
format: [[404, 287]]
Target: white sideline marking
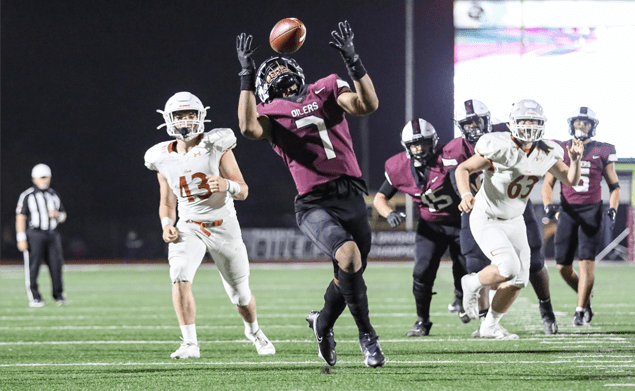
[[619, 385], [180, 362]]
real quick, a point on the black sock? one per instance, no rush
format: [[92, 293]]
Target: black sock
[[423, 297], [353, 288], [482, 314], [545, 308], [334, 305]]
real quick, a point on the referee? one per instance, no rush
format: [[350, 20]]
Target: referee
[[38, 213]]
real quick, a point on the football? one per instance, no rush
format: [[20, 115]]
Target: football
[[287, 36]]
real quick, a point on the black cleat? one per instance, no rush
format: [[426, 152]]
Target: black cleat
[[578, 318], [457, 306], [326, 342], [549, 326], [420, 329], [373, 355], [588, 313]]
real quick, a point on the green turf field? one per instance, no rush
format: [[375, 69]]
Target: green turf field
[[119, 330]]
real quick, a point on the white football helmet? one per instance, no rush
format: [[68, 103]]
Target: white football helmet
[[419, 131], [184, 129], [473, 119], [583, 113], [527, 109]]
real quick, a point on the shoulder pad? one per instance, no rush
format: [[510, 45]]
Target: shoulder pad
[[221, 139], [556, 149], [493, 146], [156, 154]]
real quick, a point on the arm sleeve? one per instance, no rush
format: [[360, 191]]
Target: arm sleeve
[[387, 189]]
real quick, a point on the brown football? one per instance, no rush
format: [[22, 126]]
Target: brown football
[[287, 36]]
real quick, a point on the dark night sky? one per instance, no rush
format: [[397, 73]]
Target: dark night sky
[[81, 82]]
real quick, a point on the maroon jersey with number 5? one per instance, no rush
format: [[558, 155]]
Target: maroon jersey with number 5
[[311, 135], [596, 157]]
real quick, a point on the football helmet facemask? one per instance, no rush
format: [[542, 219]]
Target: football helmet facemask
[[184, 129], [473, 119], [420, 132], [584, 114], [527, 109], [286, 73]]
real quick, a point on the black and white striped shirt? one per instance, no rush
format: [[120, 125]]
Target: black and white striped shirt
[[36, 203]]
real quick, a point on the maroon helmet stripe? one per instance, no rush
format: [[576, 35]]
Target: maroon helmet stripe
[[469, 107], [416, 129]]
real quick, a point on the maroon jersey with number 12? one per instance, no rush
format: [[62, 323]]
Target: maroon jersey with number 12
[[311, 134]]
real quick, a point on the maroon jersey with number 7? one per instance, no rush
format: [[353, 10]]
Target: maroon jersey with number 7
[[310, 133]]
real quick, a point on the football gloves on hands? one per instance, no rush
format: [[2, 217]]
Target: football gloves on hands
[[247, 62], [395, 218], [611, 213], [343, 42], [550, 211]]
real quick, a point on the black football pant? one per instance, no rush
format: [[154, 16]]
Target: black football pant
[[45, 247]]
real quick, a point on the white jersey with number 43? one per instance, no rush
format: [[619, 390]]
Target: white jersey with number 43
[[512, 175], [186, 175]]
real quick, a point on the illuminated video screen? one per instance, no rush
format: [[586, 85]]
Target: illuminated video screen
[[563, 54]]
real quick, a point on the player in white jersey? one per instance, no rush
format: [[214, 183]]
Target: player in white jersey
[[512, 165], [199, 171]]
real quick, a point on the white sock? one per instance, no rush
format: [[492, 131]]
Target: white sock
[[251, 328], [492, 318], [579, 309], [189, 333], [492, 293], [473, 282]]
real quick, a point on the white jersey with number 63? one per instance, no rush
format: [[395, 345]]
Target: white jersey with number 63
[[512, 175], [186, 175]]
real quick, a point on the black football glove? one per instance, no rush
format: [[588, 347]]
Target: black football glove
[[344, 44], [611, 213], [395, 218], [550, 211], [245, 57]]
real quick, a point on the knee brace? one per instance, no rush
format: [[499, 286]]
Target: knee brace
[[238, 291], [179, 270]]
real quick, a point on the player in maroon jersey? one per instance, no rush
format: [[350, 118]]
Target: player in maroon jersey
[[420, 172], [580, 212], [474, 119], [306, 126]]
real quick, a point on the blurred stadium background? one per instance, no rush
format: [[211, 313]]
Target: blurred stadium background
[[81, 83]]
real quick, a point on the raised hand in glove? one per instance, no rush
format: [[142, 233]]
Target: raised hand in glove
[[245, 57], [343, 42], [395, 218], [612, 213], [550, 211]]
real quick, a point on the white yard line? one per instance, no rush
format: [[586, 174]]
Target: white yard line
[[312, 341], [388, 363]]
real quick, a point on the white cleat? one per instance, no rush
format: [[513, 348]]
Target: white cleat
[[37, 303], [470, 298], [495, 332], [187, 350], [261, 342]]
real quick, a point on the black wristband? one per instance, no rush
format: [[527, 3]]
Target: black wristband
[[247, 81], [356, 70]]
